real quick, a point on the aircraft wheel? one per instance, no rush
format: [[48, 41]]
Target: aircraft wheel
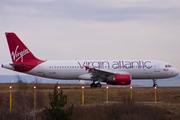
[[93, 85], [98, 84]]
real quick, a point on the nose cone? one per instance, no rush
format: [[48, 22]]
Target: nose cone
[[176, 72]]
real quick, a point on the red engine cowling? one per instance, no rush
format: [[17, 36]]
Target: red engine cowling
[[119, 80]]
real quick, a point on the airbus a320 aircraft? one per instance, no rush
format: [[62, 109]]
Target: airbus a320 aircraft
[[116, 72]]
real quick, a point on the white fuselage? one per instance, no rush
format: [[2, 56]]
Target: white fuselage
[[72, 69]]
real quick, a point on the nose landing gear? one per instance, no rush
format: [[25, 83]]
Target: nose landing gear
[[154, 81]]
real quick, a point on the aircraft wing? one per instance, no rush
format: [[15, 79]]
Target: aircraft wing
[[94, 70], [103, 73]]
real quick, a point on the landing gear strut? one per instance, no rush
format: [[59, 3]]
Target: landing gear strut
[[154, 81], [95, 85]]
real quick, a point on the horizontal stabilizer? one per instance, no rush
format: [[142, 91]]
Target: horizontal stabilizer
[[17, 65]]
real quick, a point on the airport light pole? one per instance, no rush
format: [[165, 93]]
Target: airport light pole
[[131, 93], [155, 93], [107, 93], [82, 95], [10, 87], [34, 97], [59, 93]]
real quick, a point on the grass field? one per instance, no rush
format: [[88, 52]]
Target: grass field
[[95, 107]]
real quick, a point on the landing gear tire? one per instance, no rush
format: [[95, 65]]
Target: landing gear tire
[[98, 85], [93, 85]]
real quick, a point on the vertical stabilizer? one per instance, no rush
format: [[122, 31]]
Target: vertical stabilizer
[[18, 51], [23, 59]]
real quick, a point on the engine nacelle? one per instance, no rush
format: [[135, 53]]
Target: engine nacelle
[[85, 77], [119, 80]]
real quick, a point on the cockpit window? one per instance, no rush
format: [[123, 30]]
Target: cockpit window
[[168, 66]]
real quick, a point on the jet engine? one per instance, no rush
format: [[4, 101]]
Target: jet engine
[[119, 79]]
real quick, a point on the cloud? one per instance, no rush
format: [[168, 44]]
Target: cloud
[[132, 3], [94, 29], [89, 10], [20, 10], [28, 1]]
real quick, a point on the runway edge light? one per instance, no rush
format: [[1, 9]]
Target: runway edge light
[[82, 95], [131, 93], [155, 94], [107, 93], [34, 97], [10, 87]]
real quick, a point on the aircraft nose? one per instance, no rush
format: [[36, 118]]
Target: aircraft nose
[[176, 72]]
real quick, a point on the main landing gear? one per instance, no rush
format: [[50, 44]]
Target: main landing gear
[[95, 85], [154, 81]]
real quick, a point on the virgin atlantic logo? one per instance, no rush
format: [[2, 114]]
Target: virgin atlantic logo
[[19, 55]]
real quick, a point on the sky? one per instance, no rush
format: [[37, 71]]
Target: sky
[[93, 29]]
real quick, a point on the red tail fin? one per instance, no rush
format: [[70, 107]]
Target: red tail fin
[[23, 59], [18, 51]]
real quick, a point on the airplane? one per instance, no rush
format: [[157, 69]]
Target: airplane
[[115, 72]]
